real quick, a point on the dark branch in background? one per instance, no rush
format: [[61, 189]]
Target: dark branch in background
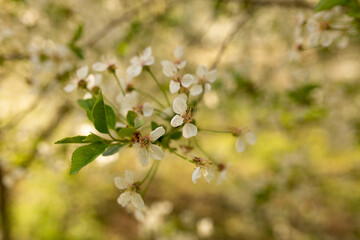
[[114, 23], [228, 39], [63, 111], [274, 3], [4, 207]]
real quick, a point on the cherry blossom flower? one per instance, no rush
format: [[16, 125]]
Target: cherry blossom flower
[[184, 115], [80, 81], [206, 171], [129, 191], [138, 62], [145, 109], [109, 64], [145, 147], [248, 137], [223, 168], [203, 79], [177, 79]]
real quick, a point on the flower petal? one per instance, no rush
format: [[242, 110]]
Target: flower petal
[[187, 80], [99, 67], [143, 154], [196, 174], [129, 177], [137, 200], [82, 72], [156, 152], [174, 86], [208, 173], [133, 71], [120, 183], [70, 87], [147, 109], [169, 69], [201, 71], [179, 105], [189, 130], [250, 137], [239, 145], [124, 198], [158, 132], [196, 90], [211, 76], [176, 121], [179, 52]]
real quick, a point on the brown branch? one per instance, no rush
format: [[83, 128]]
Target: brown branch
[[228, 39], [97, 36], [4, 207]]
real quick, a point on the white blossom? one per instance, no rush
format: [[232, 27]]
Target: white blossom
[[248, 137], [108, 64], [206, 171], [203, 79], [177, 79], [81, 74], [145, 147], [138, 62], [183, 116], [129, 194]]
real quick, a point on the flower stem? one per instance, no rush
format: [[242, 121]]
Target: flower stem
[[213, 131], [158, 84], [118, 82], [148, 173], [145, 94], [181, 156], [156, 167]]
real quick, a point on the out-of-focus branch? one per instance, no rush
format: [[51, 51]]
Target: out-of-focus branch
[[278, 3], [114, 23], [4, 208], [63, 111], [13, 57], [228, 39]]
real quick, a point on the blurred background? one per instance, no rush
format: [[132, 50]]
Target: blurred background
[[300, 180]]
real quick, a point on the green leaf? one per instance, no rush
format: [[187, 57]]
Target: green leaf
[[110, 117], [78, 34], [130, 117], [175, 135], [78, 51], [76, 139], [99, 115], [87, 105], [327, 4], [84, 155], [126, 132], [139, 121], [302, 94], [154, 125], [112, 149], [94, 138]]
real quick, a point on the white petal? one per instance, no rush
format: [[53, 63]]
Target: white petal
[[196, 174], [169, 69], [207, 87], [147, 109], [201, 71], [250, 137], [143, 154], [98, 79], [239, 145], [120, 183], [196, 90], [133, 71], [156, 152], [99, 67], [137, 200], [70, 87], [208, 173], [187, 80], [211, 76], [174, 86], [124, 198], [82, 72], [129, 177], [147, 52], [179, 52], [158, 132], [176, 121], [181, 65], [179, 105], [149, 61], [189, 130], [135, 61]]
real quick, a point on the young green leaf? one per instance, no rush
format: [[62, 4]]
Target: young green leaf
[[112, 149], [130, 117], [84, 155], [87, 105], [94, 138], [99, 115], [327, 4], [76, 139], [139, 121], [154, 125], [126, 132], [110, 117]]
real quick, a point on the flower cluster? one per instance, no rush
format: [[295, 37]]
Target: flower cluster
[[127, 123]]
